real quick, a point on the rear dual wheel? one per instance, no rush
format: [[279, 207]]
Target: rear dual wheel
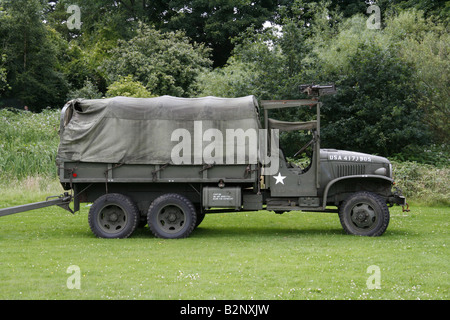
[[172, 216], [113, 215]]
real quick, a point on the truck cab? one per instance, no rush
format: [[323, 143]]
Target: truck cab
[[355, 185]]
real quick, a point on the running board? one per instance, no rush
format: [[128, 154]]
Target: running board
[[282, 209]]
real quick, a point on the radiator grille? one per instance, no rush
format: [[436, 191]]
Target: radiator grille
[[350, 169]]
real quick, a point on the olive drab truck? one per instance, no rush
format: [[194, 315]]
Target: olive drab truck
[[168, 161]]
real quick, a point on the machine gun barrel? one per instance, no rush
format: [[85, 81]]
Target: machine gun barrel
[[318, 90]]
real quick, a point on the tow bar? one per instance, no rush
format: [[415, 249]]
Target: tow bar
[[62, 200]]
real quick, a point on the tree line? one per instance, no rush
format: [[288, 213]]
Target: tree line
[[392, 77]]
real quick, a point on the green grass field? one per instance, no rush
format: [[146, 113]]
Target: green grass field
[[253, 255]]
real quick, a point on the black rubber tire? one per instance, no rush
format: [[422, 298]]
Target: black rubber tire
[[113, 215], [171, 216], [364, 214]]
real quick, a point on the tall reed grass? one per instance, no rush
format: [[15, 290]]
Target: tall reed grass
[[28, 144]]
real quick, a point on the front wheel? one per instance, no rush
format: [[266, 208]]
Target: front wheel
[[364, 214]]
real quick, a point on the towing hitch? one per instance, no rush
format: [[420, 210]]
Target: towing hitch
[[62, 201]]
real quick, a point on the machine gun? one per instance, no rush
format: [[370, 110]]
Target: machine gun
[[316, 90]]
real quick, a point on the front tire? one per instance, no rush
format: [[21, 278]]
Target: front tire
[[172, 216], [113, 215], [364, 214]]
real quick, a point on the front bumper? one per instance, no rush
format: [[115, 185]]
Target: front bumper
[[398, 200]]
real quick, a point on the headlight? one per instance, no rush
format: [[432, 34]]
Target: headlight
[[381, 171]]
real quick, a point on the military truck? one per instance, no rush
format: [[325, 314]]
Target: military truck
[[169, 161]]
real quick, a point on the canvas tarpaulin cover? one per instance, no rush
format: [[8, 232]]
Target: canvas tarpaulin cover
[[139, 130]]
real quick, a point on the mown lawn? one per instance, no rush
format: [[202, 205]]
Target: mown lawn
[[257, 255]]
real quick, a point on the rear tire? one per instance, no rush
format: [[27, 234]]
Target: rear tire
[[172, 216], [113, 215], [364, 214]]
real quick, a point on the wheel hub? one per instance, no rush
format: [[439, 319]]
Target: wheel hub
[[113, 217], [171, 218], [363, 215]]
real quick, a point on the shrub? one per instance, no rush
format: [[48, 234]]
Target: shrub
[[88, 91], [126, 87], [423, 182]]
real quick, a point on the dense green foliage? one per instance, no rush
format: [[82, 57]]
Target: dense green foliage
[[32, 52], [166, 63], [393, 82]]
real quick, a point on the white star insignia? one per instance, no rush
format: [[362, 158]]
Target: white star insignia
[[279, 178]]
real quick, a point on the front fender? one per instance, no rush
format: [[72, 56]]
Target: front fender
[[362, 176]]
